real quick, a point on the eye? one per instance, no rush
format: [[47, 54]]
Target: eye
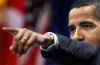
[[87, 25], [71, 28]]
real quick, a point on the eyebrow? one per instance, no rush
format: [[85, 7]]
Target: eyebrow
[[82, 23], [86, 22]]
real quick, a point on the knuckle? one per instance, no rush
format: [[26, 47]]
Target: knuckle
[[34, 35], [25, 29], [22, 30], [25, 37], [28, 33], [22, 41]]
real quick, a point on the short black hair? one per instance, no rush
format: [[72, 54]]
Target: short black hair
[[96, 3], [79, 3]]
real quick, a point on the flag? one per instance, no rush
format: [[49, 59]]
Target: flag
[[4, 38], [13, 15]]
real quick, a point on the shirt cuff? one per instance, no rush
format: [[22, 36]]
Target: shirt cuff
[[55, 41]]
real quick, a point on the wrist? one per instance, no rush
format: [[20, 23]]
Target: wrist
[[54, 42]]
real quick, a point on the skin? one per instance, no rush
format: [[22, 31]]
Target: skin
[[83, 25], [24, 39]]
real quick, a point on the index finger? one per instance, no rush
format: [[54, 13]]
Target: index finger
[[10, 29]]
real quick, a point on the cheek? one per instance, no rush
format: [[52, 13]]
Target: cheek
[[93, 37]]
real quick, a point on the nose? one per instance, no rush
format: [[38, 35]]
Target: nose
[[78, 35]]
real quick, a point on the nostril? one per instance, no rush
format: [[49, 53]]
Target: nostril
[[80, 39]]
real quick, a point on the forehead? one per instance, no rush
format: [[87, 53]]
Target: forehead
[[84, 10]]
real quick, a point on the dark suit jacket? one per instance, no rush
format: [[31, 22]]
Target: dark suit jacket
[[72, 52]]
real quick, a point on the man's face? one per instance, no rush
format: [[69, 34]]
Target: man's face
[[84, 26]]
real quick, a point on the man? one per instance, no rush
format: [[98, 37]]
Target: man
[[81, 49]]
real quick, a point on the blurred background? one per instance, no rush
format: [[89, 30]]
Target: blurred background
[[38, 15]]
